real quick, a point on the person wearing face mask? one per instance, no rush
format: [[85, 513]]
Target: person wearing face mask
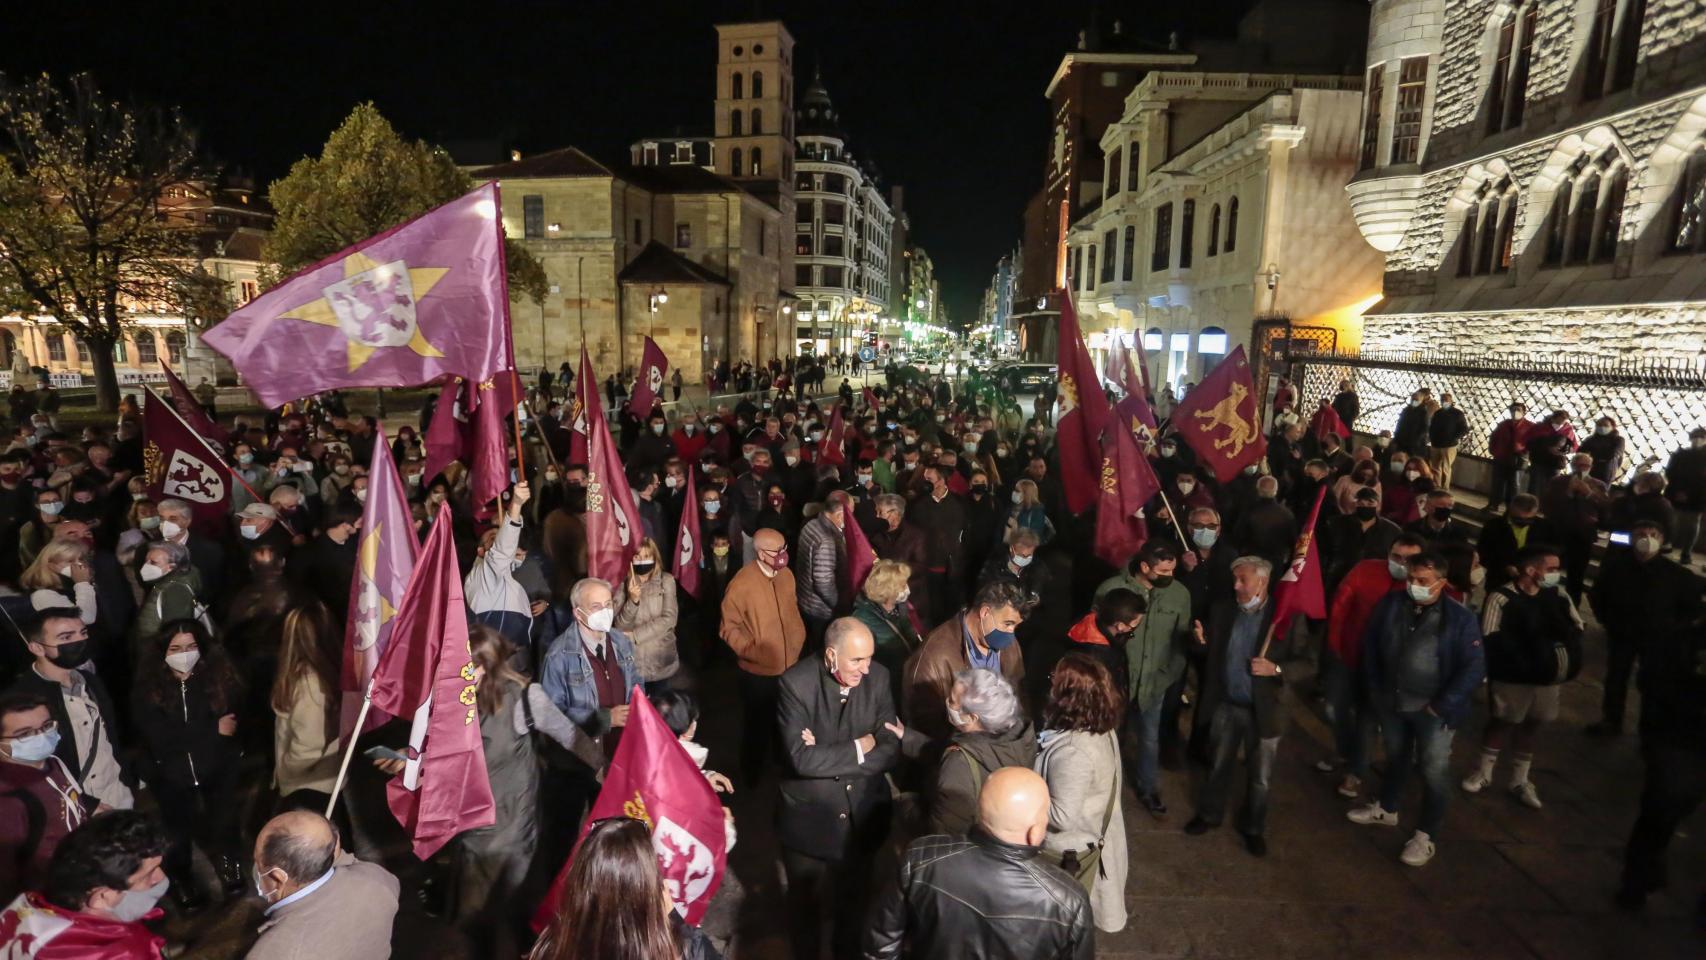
[[884, 607], [184, 709], [320, 901], [689, 439], [78, 703], [940, 514], [1400, 497], [1534, 645], [1579, 505], [1446, 429], [763, 627], [1549, 448], [1267, 528], [172, 586], [1505, 536], [494, 596], [1637, 595], [34, 533], [1685, 479], [1439, 523], [206, 555], [1154, 671], [1361, 534], [1606, 446], [983, 635], [823, 570], [589, 668], [40, 799], [1508, 447], [102, 888], [1422, 660], [646, 614], [653, 446], [1242, 694], [61, 576], [1411, 432]]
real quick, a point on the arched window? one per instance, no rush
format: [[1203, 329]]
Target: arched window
[[1488, 229], [757, 85], [174, 347], [1508, 91], [1587, 211], [1214, 230], [1586, 201], [734, 123], [1611, 214], [757, 121], [1558, 223], [1152, 340], [1232, 225], [734, 162], [1688, 231], [1466, 252], [757, 162], [147, 348], [735, 87]]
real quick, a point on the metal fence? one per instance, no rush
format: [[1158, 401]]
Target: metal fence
[[1655, 401]]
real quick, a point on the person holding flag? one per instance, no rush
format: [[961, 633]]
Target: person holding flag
[[1083, 414]]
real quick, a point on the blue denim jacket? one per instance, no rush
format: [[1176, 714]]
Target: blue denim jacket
[[568, 680]]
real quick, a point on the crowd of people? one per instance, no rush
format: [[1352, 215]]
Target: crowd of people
[[949, 741]]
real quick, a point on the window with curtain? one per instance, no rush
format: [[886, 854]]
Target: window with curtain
[[1114, 170], [1371, 117], [174, 348], [55, 347], [147, 348], [1187, 232], [1231, 225], [1109, 240], [1160, 256], [1128, 253], [1407, 121]]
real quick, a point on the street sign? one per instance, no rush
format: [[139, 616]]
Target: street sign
[[867, 354]]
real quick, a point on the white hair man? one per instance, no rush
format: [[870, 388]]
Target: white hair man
[[1241, 695]]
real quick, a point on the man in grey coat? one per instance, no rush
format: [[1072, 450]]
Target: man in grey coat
[[821, 568], [322, 903]]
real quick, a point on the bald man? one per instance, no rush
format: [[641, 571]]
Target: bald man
[[835, 800], [986, 894], [762, 625], [322, 903]]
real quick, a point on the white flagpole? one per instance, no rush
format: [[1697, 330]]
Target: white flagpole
[[355, 734]]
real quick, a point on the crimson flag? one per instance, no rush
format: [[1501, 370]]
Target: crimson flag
[[1119, 370], [1300, 590], [871, 402], [689, 549], [1083, 413], [653, 366], [653, 780], [833, 447], [190, 409], [178, 463], [1325, 421], [1128, 482], [860, 557], [577, 414], [427, 674], [423, 299], [385, 558], [489, 462], [447, 435], [1219, 419], [611, 527]]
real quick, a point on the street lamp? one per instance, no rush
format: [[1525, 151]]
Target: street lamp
[[658, 299]]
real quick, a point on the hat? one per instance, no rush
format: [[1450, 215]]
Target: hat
[[259, 511]]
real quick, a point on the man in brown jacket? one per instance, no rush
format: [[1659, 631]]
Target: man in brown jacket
[[762, 625], [322, 903], [981, 635]]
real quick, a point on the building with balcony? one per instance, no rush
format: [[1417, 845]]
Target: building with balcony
[[1534, 175], [685, 256], [230, 225], [1221, 205], [843, 229]]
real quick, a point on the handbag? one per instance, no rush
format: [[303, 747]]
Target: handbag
[[1086, 865]]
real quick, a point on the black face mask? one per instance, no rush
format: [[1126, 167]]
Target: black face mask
[[1521, 521], [71, 655], [1161, 582], [1442, 514], [641, 569], [979, 490], [1365, 513]]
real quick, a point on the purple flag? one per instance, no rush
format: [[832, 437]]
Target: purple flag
[[385, 557], [421, 300]]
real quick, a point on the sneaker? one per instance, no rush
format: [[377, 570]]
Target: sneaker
[[1526, 794], [1373, 814], [1152, 803], [1476, 782], [1326, 766], [1351, 787], [1418, 851]]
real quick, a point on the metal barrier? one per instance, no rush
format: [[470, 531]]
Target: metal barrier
[[1655, 401]]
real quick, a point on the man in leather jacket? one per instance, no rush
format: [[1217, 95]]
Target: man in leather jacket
[[986, 894]]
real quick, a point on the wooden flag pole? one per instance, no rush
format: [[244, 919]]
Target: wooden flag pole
[[349, 750], [1173, 515], [509, 335]]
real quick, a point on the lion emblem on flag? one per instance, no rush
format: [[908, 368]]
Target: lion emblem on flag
[[654, 378], [375, 307], [188, 478], [1239, 431], [687, 865]]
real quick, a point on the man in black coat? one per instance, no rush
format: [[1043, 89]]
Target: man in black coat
[[1267, 529], [1411, 433], [834, 713], [1354, 537], [1347, 404], [325, 565], [79, 704], [1445, 431], [941, 515], [1638, 595], [1505, 536], [986, 894], [1438, 525], [1673, 744]]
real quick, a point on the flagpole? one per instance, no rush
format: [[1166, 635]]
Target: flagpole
[[349, 751], [1173, 516], [509, 334], [155, 398]]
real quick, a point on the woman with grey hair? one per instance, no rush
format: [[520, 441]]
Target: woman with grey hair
[[991, 731], [171, 584]]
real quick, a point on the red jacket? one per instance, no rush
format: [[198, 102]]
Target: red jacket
[[33, 929], [21, 786], [1510, 438], [687, 447], [1366, 585]]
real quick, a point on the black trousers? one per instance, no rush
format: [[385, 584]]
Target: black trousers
[[838, 888], [944, 592], [1577, 552], [759, 736], [206, 814], [1620, 656], [1675, 785]]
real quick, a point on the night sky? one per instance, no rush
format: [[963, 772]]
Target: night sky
[[945, 96]]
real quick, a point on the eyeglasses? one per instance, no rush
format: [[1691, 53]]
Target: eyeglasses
[[47, 727]]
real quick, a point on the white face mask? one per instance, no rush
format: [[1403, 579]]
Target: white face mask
[[1022, 561], [361, 495], [905, 595], [51, 509], [791, 460], [1552, 579], [1251, 603], [600, 621], [1419, 593], [135, 904], [1018, 497], [249, 533], [1398, 569], [149, 523], [183, 662], [151, 572], [1477, 576], [64, 571], [168, 529], [672, 481]]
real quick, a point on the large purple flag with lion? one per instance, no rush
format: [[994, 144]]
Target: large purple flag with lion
[[414, 303]]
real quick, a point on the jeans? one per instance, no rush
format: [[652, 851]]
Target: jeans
[[1348, 709], [1144, 725], [1675, 786], [1428, 739], [1234, 726]]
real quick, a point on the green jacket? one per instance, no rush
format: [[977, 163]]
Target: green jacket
[[172, 597], [1155, 654]]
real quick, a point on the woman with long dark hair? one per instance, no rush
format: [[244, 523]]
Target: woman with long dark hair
[[185, 710], [614, 904]]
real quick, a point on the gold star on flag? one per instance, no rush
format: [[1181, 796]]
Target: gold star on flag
[[417, 281]]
